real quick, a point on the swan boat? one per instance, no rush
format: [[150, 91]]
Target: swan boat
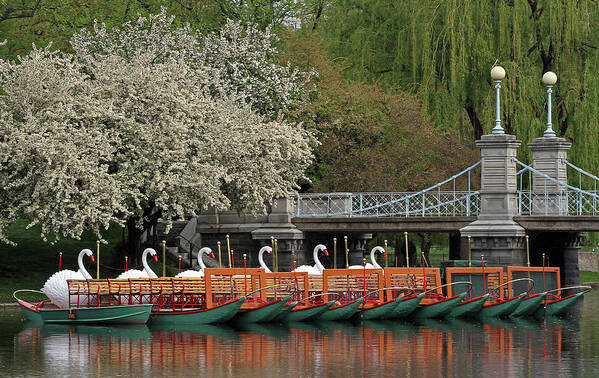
[[489, 282], [172, 300], [262, 302], [555, 302], [46, 312], [414, 283], [356, 293]]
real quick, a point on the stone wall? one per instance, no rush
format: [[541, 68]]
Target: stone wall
[[588, 261]]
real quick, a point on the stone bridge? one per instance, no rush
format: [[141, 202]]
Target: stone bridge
[[508, 205]]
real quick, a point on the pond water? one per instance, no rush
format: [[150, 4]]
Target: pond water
[[509, 348]]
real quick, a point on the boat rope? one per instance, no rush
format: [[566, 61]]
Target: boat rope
[[586, 289], [410, 290], [528, 291], [450, 284], [269, 287], [318, 295]]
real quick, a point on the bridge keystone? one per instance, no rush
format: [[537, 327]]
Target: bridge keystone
[[495, 234]]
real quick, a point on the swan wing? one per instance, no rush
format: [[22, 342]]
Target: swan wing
[[57, 289], [133, 273], [190, 273], [368, 266], [307, 268]]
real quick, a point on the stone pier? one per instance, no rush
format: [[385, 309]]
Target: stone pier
[[495, 234]]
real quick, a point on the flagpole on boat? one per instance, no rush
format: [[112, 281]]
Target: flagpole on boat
[[334, 253], [482, 257], [423, 272], [163, 258], [272, 246], [228, 250], [220, 261], [527, 253], [98, 259], [405, 234], [386, 259], [276, 250], [469, 252], [346, 253], [543, 272], [470, 257]]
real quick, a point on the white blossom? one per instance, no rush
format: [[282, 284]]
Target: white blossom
[[142, 115]]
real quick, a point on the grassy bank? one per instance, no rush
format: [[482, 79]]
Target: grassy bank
[[589, 276], [29, 264]]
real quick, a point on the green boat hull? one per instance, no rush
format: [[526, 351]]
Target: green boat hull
[[307, 313], [265, 313], [288, 307], [379, 312], [129, 314], [559, 307], [405, 307], [501, 309], [470, 308], [219, 314], [343, 312], [33, 316], [437, 310], [529, 305]]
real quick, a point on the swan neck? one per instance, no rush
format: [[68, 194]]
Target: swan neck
[[82, 267], [201, 261], [317, 261], [373, 259], [261, 261], [144, 262]]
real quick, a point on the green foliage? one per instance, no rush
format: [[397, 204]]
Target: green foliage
[[443, 51], [29, 265], [372, 140]]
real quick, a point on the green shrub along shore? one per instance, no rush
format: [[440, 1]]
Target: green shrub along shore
[[29, 264]]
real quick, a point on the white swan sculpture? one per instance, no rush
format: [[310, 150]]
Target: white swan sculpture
[[147, 272], [261, 259], [197, 273], [56, 287], [318, 267], [374, 264]]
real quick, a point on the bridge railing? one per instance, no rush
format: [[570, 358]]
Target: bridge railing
[[554, 197], [431, 201]]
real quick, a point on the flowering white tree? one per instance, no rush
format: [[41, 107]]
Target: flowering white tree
[[240, 60], [138, 118]]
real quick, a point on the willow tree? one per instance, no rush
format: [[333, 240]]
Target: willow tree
[[140, 118], [443, 51]]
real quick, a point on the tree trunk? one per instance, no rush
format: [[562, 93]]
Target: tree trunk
[[133, 244], [400, 252], [426, 244]]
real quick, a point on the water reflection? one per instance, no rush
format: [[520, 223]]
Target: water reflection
[[515, 347]]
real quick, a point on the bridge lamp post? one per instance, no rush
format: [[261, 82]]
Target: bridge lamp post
[[549, 79], [497, 74]]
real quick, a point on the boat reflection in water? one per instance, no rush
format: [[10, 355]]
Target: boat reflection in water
[[390, 348]]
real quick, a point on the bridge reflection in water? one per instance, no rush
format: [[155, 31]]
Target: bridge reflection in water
[[433, 348]]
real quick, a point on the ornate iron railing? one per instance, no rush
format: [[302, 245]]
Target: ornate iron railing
[[555, 197], [428, 202]]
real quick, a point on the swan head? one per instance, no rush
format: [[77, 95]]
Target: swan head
[[266, 249], [207, 251], [380, 249], [323, 248], [89, 253], [152, 253]]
